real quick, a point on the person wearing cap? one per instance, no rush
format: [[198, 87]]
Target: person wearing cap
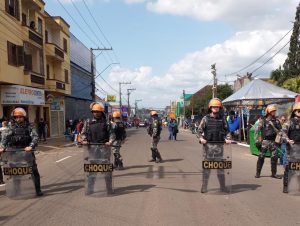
[[21, 134], [265, 135], [154, 131], [292, 137], [98, 130], [213, 133], [119, 129]]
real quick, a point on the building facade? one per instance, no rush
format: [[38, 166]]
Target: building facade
[[34, 62]]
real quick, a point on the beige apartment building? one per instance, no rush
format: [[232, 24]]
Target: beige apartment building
[[34, 62]]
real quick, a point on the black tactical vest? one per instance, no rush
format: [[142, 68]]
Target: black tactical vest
[[269, 131], [214, 129], [294, 131], [20, 135], [119, 130], [98, 132]]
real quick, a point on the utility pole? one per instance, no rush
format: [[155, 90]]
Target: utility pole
[[120, 93], [128, 94], [93, 83], [183, 106], [214, 72], [135, 106]]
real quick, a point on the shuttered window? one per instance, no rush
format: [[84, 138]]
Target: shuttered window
[[66, 76], [12, 8], [15, 54]]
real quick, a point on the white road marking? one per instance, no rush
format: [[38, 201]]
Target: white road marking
[[64, 158]]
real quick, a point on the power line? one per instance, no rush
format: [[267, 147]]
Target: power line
[[270, 58], [233, 73]]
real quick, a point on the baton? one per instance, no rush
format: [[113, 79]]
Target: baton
[[103, 144], [218, 142]]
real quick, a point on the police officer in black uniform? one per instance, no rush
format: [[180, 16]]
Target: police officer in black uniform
[[21, 134], [268, 127], [119, 129], [98, 131], [292, 136]]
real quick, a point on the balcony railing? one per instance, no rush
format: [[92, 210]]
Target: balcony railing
[[36, 37], [55, 51]]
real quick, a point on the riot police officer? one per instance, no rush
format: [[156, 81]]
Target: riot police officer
[[154, 131], [120, 133], [98, 131], [265, 134], [213, 133], [21, 134], [292, 136]]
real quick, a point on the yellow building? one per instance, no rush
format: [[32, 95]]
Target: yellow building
[[34, 62]]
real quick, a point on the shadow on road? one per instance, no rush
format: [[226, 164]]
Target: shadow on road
[[236, 188], [136, 167], [178, 189], [132, 189], [62, 188], [172, 160], [3, 218]]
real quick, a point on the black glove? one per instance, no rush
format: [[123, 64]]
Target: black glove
[[258, 145]]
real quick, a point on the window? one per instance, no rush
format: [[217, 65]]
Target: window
[[12, 8], [46, 36], [40, 26], [41, 63], [66, 76], [24, 19], [48, 71], [65, 45], [15, 54]]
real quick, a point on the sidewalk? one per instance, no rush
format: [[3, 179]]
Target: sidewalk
[[54, 143]]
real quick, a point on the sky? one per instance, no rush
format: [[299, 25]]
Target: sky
[[166, 46]]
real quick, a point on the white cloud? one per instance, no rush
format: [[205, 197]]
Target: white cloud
[[193, 71], [240, 14]]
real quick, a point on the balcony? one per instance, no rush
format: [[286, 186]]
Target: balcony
[[55, 85], [54, 51], [34, 37]]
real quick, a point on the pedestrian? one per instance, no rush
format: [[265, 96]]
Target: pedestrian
[[283, 156], [78, 130], [154, 131], [3, 132], [265, 135], [292, 137], [175, 129], [119, 129], [21, 134], [213, 133], [171, 128], [98, 135], [41, 130]]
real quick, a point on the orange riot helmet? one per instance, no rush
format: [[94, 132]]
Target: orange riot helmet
[[152, 113], [96, 107], [116, 114], [270, 108], [215, 102], [296, 106], [18, 112]]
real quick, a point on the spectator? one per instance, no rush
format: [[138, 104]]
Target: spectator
[[3, 130], [175, 129], [283, 156], [170, 129], [41, 130]]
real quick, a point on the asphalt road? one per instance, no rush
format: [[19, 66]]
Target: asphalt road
[[153, 194]]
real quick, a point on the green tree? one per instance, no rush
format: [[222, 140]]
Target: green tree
[[291, 67], [200, 104], [292, 84]]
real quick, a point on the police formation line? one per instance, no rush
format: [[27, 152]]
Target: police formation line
[[213, 134]]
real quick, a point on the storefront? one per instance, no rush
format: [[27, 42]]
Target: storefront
[[31, 99]]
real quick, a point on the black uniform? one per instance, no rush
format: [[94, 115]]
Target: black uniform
[[269, 130], [118, 128], [292, 132], [20, 136]]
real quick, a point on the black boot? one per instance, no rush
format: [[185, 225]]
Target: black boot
[[153, 155], [221, 178], [259, 165], [274, 168], [205, 178], [158, 157], [286, 179]]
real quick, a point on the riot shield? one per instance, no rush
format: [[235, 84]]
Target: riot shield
[[17, 170], [294, 170], [216, 168], [98, 170]]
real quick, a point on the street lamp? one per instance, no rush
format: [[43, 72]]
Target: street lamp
[[105, 69], [128, 93]]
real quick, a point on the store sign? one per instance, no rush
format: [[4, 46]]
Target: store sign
[[22, 95], [111, 98]]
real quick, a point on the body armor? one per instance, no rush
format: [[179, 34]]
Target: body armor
[[98, 132], [294, 131], [20, 135], [214, 129], [119, 130], [269, 131]]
